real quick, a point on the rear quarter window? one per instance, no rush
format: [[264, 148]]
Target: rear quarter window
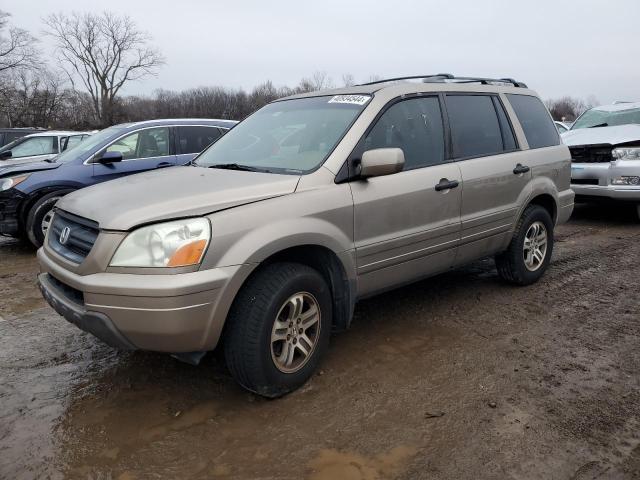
[[535, 120]]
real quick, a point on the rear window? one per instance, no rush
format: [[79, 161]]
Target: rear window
[[196, 138], [535, 120], [475, 129]]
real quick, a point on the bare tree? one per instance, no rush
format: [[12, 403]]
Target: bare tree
[[17, 47], [103, 52], [347, 80], [568, 108]]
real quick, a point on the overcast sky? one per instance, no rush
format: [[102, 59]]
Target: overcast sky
[[570, 47]]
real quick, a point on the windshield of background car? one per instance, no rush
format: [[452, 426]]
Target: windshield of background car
[[290, 136], [602, 118], [94, 141]]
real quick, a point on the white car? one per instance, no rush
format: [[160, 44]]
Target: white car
[[39, 146], [605, 153]]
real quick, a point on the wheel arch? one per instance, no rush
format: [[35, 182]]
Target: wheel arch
[[548, 202], [328, 264], [31, 200]]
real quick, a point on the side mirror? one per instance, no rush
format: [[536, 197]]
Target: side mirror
[[6, 154], [381, 161], [110, 157]]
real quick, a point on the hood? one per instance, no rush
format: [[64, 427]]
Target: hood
[[172, 193], [9, 170], [602, 135]]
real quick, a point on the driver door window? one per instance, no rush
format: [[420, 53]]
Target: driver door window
[[151, 142]]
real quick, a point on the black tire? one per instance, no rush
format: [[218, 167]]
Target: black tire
[[42, 207], [247, 342], [511, 263]]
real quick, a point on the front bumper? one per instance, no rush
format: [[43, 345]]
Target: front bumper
[[10, 201], [167, 313], [595, 179]]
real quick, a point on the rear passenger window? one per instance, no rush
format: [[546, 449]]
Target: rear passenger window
[[413, 125], [475, 130], [196, 139], [535, 120]]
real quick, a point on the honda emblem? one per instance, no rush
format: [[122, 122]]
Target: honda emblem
[[64, 235]]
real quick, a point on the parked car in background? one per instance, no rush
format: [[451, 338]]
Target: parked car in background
[[605, 151], [311, 203], [561, 126], [39, 146], [29, 191], [8, 135]]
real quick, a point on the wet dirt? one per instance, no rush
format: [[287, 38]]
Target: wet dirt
[[459, 376]]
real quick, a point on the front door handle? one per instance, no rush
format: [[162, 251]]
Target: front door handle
[[520, 169], [446, 184], [164, 165]]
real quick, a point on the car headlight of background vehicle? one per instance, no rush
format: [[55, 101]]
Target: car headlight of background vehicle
[[626, 153], [171, 244], [10, 182]]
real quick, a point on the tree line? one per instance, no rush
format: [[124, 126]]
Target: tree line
[[96, 55]]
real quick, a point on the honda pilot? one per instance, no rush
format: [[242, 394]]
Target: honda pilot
[[265, 244]]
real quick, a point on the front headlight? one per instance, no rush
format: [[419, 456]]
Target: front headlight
[[626, 153], [172, 244], [10, 182]]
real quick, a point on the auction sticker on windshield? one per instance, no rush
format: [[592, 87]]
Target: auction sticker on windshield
[[352, 99]]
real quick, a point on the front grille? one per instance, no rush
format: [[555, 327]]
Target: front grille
[[584, 181], [82, 235], [591, 154]]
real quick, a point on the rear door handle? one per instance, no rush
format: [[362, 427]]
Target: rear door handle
[[520, 169], [164, 165], [446, 184]]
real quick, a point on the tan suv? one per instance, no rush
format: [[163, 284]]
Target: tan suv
[[310, 204]]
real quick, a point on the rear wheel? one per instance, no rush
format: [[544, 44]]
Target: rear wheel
[[39, 218], [529, 252], [278, 329]]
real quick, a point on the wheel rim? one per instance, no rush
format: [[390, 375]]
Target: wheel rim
[[295, 332], [535, 246], [46, 222]]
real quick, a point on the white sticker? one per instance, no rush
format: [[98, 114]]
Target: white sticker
[[352, 99]]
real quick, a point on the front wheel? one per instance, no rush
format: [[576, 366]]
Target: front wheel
[[39, 218], [278, 329], [529, 252]]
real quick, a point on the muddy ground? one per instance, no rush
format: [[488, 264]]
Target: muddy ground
[[456, 377]]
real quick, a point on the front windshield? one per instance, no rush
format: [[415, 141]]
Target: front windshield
[[89, 144], [291, 136], [603, 118]]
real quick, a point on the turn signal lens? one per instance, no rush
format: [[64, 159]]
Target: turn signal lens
[[188, 254]]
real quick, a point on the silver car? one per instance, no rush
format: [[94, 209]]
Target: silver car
[[605, 150], [310, 204]]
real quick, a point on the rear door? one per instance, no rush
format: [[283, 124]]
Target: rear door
[[145, 149], [192, 140], [485, 148], [405, 226]]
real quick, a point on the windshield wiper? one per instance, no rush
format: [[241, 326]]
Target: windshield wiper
[[599, 125], [237, 166]]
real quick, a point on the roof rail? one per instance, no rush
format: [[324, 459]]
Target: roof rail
[[412, 77], [449, 78]]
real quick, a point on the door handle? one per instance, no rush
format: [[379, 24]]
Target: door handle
[[520, 169], [446, 184], [164, 165]]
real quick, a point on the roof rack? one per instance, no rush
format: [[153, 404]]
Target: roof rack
[[447, 77]]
